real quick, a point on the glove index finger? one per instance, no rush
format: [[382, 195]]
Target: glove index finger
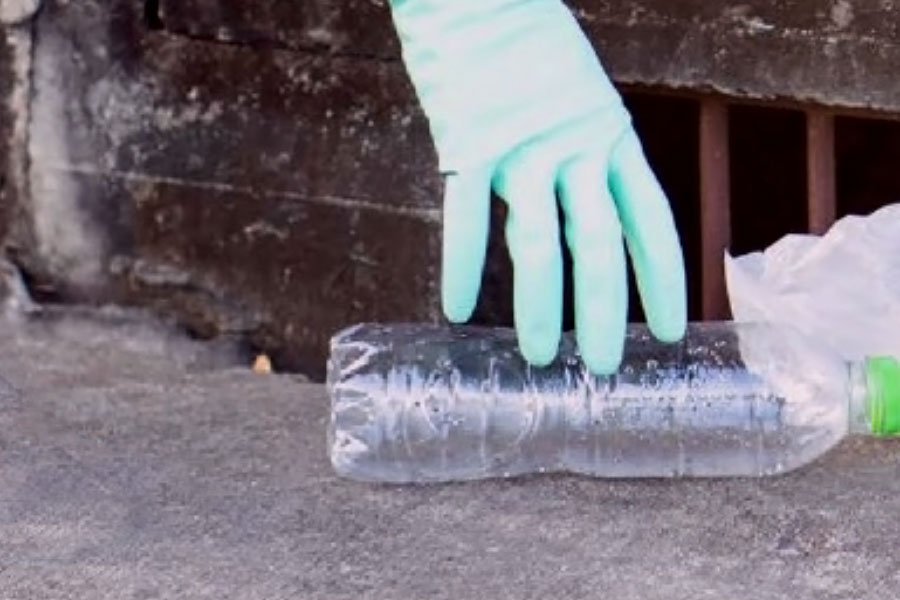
[[652, 238], [467, 201]]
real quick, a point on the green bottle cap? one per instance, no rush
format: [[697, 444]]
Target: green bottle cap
[[883, 384]]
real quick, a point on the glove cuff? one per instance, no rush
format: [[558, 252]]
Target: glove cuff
[[492, 74]]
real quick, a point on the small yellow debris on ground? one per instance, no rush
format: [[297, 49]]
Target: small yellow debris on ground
[[262, 364]]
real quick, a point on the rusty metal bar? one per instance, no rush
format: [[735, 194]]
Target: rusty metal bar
[[822, 192], [715, 205]]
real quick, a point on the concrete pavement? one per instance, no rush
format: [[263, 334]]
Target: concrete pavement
[[138, 464]]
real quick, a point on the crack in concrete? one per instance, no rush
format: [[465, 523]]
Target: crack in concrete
[[431, 215], [154, 21], [266, 43]]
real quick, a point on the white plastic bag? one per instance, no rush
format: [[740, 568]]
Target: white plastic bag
[[841, 289]]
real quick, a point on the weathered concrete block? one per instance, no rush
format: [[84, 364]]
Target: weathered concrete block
[[354, 27], [275, 194], [6, 119], [285, 272], [15, 65], [805, 49]]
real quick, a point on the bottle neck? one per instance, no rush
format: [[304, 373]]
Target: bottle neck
[[860, 419]]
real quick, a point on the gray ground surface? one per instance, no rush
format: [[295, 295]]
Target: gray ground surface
[[139, 465]]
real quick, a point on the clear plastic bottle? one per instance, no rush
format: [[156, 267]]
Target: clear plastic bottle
[[423, 403]]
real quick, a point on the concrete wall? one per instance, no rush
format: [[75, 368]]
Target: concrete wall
[[261, 169]]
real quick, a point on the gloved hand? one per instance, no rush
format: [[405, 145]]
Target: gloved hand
[[517, 100]]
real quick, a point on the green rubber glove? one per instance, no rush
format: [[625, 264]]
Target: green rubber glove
[[517, 101]]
